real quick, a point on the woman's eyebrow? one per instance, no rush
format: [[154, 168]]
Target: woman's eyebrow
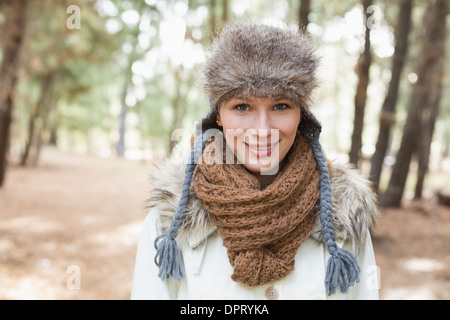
[[281, 98], [239, 99]]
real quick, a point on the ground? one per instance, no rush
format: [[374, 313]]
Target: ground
[[69, 230]]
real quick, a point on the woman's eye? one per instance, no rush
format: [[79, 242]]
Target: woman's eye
[[281, 106], [241, 107]]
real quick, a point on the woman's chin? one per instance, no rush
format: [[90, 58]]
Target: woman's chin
[[263, 168]]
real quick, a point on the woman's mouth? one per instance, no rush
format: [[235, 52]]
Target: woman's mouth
[[261, 150]]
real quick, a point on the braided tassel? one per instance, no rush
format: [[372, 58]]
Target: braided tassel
[[168, 256], [342, 268]]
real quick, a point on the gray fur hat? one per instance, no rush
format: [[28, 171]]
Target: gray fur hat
[[260, 60], [263, 61]]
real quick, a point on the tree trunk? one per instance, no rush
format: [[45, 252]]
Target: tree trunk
[[225, 11], [128, 75], [393, 194], [387, 116], [50, 105], [429, 116], [178, 101], [120, 148], [444, 197], [176, 122], [53, 136], [305, 8], [446, 149], [212, 16], [36, 114], [13, 32], [431, 55], [362, 69]]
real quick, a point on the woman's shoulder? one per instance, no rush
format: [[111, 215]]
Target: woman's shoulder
[[355, 207]]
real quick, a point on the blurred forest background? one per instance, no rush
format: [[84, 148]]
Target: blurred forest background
[[92, 90]]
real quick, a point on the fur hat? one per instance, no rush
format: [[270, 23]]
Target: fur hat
[[259, 60], [262, 61]]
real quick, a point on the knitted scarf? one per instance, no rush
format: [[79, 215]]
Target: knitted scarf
[[261, 229]]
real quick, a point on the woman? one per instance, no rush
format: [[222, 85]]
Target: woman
[[258, 211]]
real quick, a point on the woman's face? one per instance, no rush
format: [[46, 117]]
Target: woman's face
[[260, 131]]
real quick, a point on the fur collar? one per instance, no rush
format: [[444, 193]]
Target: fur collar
[[354, 205]]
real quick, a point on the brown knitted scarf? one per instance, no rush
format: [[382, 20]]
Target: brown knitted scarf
[[262, 229]]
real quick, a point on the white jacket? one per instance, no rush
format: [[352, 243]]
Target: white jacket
[[207, 268]]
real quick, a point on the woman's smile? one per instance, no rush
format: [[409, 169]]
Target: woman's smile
[[261, 150]]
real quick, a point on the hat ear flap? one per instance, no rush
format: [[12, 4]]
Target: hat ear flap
[[309, 124]]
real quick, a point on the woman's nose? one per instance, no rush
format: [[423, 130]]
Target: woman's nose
[[260, 129], [262, 122]]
